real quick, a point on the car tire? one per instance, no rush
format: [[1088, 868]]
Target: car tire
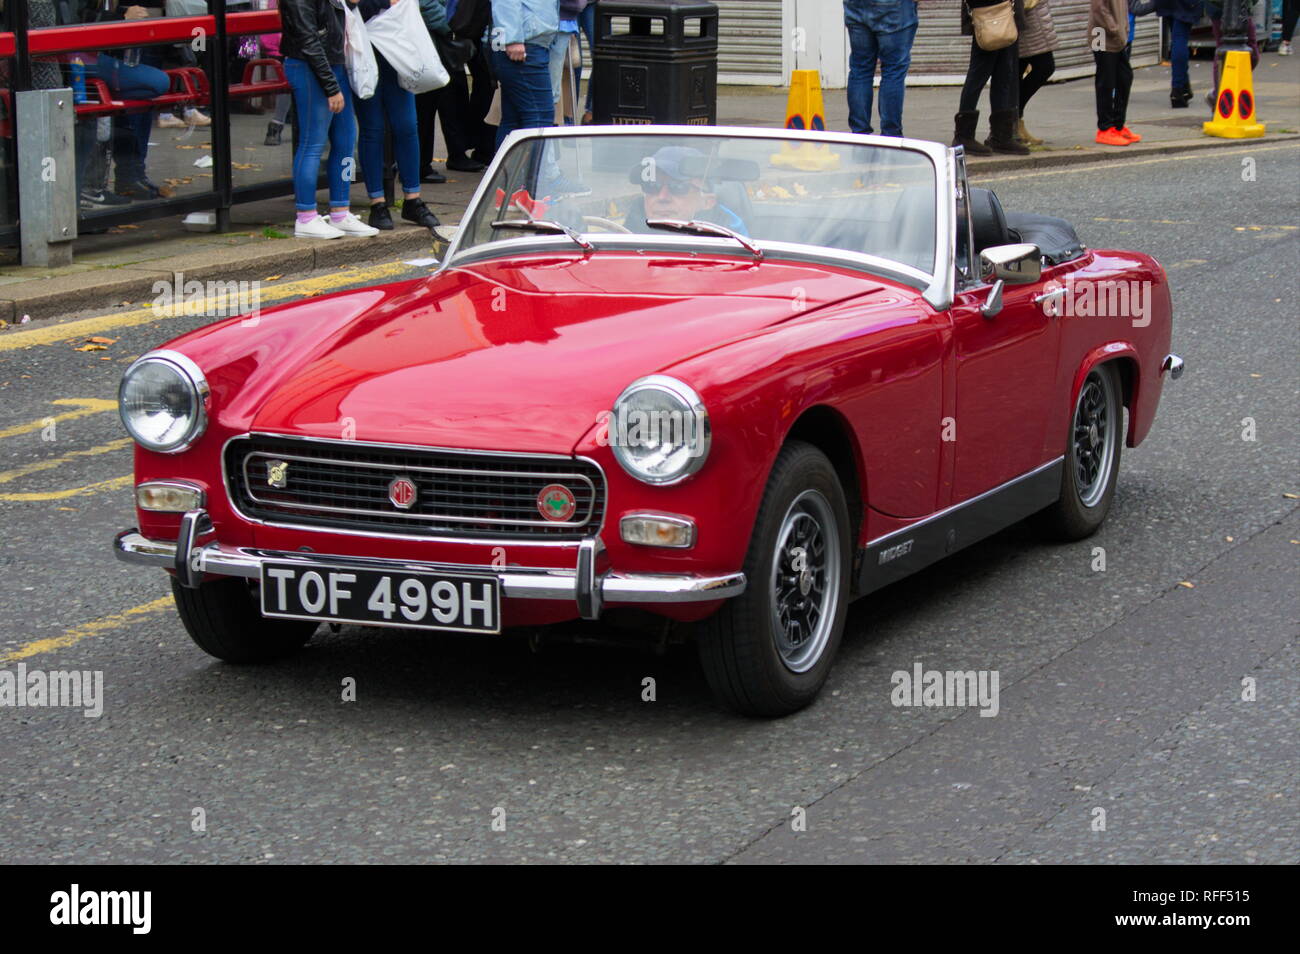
[[1092, 452], [751, 650], [223, 619]]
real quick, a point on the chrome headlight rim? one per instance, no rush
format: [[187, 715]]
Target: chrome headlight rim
[[689, 397], [192, 374]]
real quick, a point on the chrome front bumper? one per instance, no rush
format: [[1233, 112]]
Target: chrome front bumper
[[583, 584]]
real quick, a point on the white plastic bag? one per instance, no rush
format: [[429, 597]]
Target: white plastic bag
[[400, 35], [363, 71]]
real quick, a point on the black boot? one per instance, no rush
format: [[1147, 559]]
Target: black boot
[[965, 125], [1180, 97], [380, 217], [273, 131], [414, 210], [1002, 133]]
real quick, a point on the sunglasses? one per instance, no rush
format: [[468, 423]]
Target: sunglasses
[[678, 187]]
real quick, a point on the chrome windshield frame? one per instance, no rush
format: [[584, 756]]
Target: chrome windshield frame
[[937, 288]]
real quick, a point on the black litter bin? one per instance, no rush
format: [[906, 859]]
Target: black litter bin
[[655, 61]]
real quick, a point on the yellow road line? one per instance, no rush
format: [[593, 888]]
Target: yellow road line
[[1101, 218], [87, 407], [37, 466], [117, 483], [83, 630], [1077, 167], [55, 333]]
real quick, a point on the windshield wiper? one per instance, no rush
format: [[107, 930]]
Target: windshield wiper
[[698, 227], [544, 225]]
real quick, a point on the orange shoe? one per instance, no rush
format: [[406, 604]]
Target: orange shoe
[[1112, 137], [1130, 135]]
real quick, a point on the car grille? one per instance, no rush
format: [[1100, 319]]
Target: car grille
[[457, 493]]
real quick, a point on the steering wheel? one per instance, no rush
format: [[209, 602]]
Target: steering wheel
[[605, 223]]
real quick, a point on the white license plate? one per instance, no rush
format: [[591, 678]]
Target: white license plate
[[406, 598]]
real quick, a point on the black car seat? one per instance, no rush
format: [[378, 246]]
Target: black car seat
[[988, 221]]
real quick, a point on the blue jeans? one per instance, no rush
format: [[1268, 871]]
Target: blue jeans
[[130, 131], [316, 124], [397, 105], [525, 89], [894, 51], [1179, 36]]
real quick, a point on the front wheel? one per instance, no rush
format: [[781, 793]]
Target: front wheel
[[1091, 457], [223, 619], [768, 651]]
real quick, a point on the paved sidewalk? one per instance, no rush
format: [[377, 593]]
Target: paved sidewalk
[[122, 266]]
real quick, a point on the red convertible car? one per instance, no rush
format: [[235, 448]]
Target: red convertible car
[[732, 377]]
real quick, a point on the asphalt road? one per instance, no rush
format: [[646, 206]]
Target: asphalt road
[[1120, 690]]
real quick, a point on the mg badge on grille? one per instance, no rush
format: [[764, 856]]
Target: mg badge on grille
[[402, 493], [556, 502], [277, 474]]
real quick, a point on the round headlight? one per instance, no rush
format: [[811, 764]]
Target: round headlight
[[659, 430], [161, 401]]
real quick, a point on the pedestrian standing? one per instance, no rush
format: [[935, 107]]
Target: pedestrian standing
[[521, 58], [879, 30], [394, 107], [1181, 16], [311, 40], [1037, 41], [1000, 70], [1108, 36], [1290, 9]]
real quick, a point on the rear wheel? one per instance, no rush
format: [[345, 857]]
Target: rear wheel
[[768, 651], [1091, 457], [223, 619]]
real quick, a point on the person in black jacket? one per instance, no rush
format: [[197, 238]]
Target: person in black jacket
[[311, 41]]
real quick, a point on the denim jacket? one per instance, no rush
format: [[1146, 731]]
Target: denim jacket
[[522, 21], [880, 16]]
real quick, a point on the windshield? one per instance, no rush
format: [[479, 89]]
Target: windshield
[[610, 189]]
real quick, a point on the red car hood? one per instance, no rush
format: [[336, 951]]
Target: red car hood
[[523, 354]]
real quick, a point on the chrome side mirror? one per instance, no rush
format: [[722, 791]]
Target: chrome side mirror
[[1014, 264], [1018, 264]]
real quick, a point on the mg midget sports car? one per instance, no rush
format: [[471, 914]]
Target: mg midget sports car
[[735, 378]]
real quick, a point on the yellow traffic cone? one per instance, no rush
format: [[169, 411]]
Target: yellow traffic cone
[[805, 109], [1234, 110]]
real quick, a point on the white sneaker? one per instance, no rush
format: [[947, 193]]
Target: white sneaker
[[318, 227], [1284, 48], [171, 121], [354, 226], [197, 118]]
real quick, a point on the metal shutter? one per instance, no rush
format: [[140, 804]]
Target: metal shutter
[[749, 41]]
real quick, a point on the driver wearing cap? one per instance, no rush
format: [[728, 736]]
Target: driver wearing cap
[[674, 184]]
